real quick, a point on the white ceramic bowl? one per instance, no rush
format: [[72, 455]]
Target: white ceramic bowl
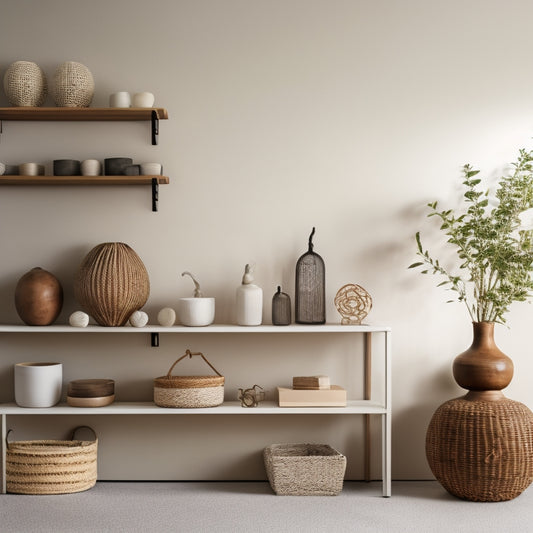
[[196, 311], [38, 384], [144, 99]]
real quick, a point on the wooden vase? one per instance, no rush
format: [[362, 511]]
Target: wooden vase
[[111, 283], [38, 297]]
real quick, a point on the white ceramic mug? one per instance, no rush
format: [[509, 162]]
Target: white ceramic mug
[[151, 169], [38, 384], [91, 167], [120, 99], [143, 99], [196, 311], [2, 169], [31, 169]]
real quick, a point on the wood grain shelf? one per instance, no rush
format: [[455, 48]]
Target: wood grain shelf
[[82, 180], [82, 113]]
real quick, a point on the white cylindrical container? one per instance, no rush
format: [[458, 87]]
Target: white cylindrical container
[[38, 384], [148, 169], [29, 169], [249, 301], [143, 99], [120, 99], [196, 311], [91, 167]]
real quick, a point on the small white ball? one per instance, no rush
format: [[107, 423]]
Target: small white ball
[[166, 317], [79, 319], [138, 319]]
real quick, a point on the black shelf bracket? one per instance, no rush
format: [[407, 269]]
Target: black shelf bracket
[[155, 193], [155, 127], [154, 339]]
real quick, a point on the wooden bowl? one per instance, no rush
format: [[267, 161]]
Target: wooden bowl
[[91, 388], [73, 401]]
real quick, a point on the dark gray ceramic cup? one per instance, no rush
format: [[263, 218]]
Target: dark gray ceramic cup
[[132, 170], [114, 166], [66, 167]]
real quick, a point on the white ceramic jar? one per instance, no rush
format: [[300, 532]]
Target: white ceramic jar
[[144, 99], [91, 167], [249, 301], [120, 99], [38, 384], [151, 169], [196, 311]]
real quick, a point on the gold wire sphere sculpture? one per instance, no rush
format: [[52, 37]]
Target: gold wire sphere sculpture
[[353, 303]]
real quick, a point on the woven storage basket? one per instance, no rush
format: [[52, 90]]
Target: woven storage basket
[[25, 84], [51, 466], [111, 283], [304, 469], [73, 85], [189, 391], [482, 450]]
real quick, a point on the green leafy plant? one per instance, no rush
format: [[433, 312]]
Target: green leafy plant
[[493, 241]]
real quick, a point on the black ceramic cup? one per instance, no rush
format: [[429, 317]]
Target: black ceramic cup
[[66, 167], [114, 166], [132, 170]]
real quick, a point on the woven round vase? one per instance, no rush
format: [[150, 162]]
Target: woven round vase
[[25, 84], [111, 283], [479, 446], [73, 85]]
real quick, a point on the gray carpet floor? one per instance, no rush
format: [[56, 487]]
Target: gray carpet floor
[[146, 507]]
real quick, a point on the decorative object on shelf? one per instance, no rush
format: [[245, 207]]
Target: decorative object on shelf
[[114, 166], [91, 392], [149, 169], [132, 170], [479, 446], [51, 466], [304, 469], [252, 396], [79, 319], [196, 311], [91, 167], [120, 99], [353, 303], [334, 396], [281, 308], [310, 297], [143, 99], [166, 317], [311, 382], [2, 169], [189, 391], [249, 300], [138, 319], [31, 169], [67, 167], [25, 84], [111, 283], [73, 85], [38, 297], [38, 384], [11, 170]]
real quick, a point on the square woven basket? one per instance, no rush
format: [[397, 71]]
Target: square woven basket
[[304, 469]]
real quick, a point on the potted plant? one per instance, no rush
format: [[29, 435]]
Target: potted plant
[[473, 457]]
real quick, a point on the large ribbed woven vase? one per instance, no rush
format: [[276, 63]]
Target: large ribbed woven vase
[[480, 446], [111, 283]]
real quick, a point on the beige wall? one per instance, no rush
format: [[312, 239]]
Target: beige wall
[[344, 115]]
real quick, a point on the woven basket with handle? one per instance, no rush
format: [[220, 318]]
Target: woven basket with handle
[[51, 466], [189, 391]]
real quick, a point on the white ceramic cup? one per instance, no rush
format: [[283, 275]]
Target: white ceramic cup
[[31, 169], [120, 99], [2, 169], [38, 384], [150, 169], [91, 167], [196, 311], [143, 99]]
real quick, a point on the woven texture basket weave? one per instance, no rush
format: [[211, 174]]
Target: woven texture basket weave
[[111, 283], [73, 85], [482, 450], [51, 466], [304, 469], [25, 84], [189, 391]]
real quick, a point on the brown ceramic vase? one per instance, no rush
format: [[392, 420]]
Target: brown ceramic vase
[[38, 297]]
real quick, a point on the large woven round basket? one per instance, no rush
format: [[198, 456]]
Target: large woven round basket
[[189, 391], [111, 283], [51, 466], [25, 84], [73, 85], [482, 450]]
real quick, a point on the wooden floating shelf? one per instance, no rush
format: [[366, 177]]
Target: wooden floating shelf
[[82, 180], [82, 113]]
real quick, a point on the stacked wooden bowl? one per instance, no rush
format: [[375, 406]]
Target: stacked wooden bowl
[[91, 392]]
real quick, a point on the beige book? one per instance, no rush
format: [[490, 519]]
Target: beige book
[[332, 397], [310, 382]]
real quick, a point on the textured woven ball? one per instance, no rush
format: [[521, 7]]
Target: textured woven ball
[[25, 84], [111, 283], [482, 450], [73, 85]]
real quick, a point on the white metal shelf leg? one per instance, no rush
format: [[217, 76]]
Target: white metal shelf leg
[[386, 441], [3, 449]]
